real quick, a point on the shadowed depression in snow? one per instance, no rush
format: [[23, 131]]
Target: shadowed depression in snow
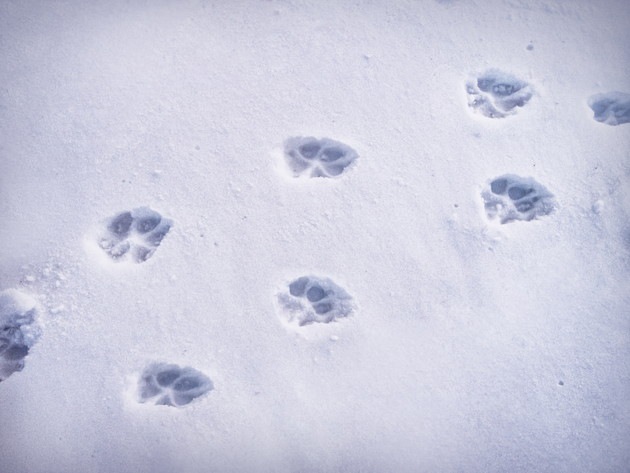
[[18, 331], [511, 198], [314, 157], [134, 235], [497, 94], [269, 236], [170, 385], [312, 299]]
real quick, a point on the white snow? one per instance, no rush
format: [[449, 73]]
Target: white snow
[[473, 346]]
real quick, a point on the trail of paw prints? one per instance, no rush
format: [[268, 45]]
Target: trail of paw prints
[[497, 94], [18, 330], [171, 385], [308, 156], [134, 235], [509, 198], [612, 108], [310, 299]]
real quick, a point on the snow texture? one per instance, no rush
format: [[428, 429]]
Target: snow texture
[[171, 385], [18, 330], [509, 198], [133, 236], [497, 94], [612, 108], [265, 236], [310, 299], [308, 156]]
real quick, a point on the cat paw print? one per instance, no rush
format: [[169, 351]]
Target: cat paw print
[[133, 235], [310, 299], [497, 94], [171, 385], [18, 330], [511, 198], [612, 108], [308, 156]]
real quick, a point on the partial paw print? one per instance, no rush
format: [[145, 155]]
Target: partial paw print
[[612, 108], [310, 299], [18, 331], [171, 385], [134, 235], [511, 198], [318, 158], [497, 94]]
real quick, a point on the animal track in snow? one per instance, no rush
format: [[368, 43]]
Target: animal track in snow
[[171, 385], [497, 94], [133, 235], [18, 331], [311, 299], [511, 197], [612, 108], [308, 156]]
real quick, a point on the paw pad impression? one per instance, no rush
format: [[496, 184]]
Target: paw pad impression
[[497, 94], [612, 108], [134, 235], [311, 299], [511, 197], [308, 156], [18, 331], [171, 385]]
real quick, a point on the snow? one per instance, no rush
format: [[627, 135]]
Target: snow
[[471, 346], [612, 108]]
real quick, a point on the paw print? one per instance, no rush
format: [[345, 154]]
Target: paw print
[[170, 385], [612, 108], [134, 235], [18, 331], [511, 197], [311, 299], [496, 94], [317, 158]]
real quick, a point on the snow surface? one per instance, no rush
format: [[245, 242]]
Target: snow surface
[[474, 346]]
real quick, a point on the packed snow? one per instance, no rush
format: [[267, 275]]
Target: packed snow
[[315, 236]]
